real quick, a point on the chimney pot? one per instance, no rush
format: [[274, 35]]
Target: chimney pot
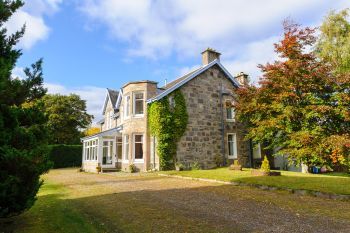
[[210, 55], [242, 79]]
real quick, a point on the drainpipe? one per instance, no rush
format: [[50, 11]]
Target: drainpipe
[[222, 126]]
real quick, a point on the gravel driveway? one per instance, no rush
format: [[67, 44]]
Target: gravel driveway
[[150, 203]]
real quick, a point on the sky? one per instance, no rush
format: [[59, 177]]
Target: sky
[[91, 45]]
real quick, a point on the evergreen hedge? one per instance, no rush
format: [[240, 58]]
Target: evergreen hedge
[[65, 155]]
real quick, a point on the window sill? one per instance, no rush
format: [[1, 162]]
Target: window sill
[[231, 157], [139, 116], [230, 120], [138, 161]]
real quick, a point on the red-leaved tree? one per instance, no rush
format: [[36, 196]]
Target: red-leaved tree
[[300, 108]]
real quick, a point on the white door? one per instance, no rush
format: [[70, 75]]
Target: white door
[[108, 153]]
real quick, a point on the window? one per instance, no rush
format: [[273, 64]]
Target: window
[[90, 150], [232, 146], [126, 147], [257, 151], [230, 111], [119, 147], [138, 147], [171, 102], [138, 104], [127, 106], [107, 120]]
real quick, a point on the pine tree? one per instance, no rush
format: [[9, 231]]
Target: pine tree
[[23, 147]]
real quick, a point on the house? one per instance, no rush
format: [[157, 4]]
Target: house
[[212, 130]]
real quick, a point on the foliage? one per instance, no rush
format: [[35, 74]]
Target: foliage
[[180, 166], [265, 165], [196, 166], [167, 124], [132, 168], [65, 155], [301, 107], [218, 160], [67, 117], [23, 144], [92, 131], [330, 182], [333, 44]]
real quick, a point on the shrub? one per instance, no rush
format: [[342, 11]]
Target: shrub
[[65, 155], [218, 160], [132, 168], [179, 166], [265, 166], [196, 166]]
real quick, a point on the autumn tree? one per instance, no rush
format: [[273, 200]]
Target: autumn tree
[[91, 131], [23, 135], [333, 44], [300, 108]]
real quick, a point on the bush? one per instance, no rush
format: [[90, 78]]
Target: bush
[[132, 168], [65, 155], [265, 166], [196, 166]]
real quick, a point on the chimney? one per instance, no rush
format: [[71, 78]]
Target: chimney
[[209, 55], [242, 79]]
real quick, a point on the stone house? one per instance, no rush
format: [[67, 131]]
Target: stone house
[[212, 130]]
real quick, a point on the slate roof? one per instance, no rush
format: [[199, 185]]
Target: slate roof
[[113, 95]]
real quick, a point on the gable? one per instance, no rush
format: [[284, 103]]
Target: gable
[[185, 79], [111, 97]]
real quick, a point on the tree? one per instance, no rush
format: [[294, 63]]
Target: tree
[[91, 131], [334, 42], [23, 144], [67, 117], [301, 107]]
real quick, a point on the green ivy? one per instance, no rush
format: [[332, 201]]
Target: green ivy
[[168, 123]]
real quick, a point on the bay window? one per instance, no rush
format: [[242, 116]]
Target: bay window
[[138, 104]]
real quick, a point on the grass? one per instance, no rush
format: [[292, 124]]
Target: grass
[[338, 183], [52, 212], [72, 201]]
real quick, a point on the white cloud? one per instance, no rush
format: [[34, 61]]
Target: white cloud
[[94, 96], [18, 72], [243, 30], [32, 15]]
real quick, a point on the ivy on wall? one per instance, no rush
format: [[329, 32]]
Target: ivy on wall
[[168, 123]]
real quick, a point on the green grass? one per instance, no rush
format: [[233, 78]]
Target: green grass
[[338, 183], [52, 212]]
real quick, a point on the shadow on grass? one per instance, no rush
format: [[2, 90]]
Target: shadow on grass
[[222, 208]]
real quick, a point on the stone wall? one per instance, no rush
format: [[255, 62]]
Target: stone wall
[[202, 140]]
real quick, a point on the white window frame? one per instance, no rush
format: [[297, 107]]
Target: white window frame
[[126, 148], [134, 104], [143, 151], [234, 156], [233, 112], [127, 107], [119, 144], [90, 149]]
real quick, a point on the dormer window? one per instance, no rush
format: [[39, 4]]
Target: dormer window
[[138, 104]]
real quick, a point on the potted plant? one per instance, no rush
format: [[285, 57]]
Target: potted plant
[[179, 166], [236, 166]]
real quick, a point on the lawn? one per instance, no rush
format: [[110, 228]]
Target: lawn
[[52, 212], [72, 201], [338, 183]]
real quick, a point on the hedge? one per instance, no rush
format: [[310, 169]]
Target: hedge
[[65, 155]]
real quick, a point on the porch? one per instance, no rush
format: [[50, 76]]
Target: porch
[[102, 152]]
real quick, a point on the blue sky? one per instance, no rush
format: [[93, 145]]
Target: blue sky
[[89, 45]]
